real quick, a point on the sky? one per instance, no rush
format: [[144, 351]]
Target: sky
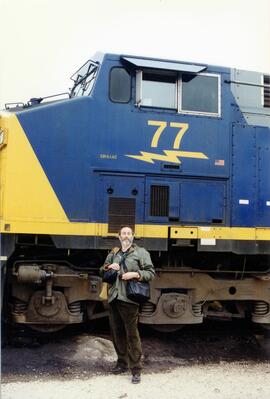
[[43, 42]]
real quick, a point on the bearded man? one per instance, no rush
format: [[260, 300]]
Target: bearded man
[[124, 313]]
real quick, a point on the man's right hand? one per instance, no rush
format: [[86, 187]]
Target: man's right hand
[[114, 266]]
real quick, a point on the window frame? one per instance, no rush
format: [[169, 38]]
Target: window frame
[[213, 114], [178, 108], [158, 106], [80, 80], [130, 86]]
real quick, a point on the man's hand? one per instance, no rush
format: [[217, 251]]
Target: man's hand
[[130, 276], [114, 266]]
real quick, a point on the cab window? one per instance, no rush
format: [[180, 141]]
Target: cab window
[[120, 85], [199, 93], [181, 92], [159, 91]]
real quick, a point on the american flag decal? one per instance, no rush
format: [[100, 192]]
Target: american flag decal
[[219, 162]]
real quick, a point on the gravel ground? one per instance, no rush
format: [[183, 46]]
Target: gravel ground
[[211, 361], [238, 381]]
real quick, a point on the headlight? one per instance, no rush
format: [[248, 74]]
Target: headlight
[[2, 136]]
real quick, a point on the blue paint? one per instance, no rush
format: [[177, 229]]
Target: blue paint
[[82, 145]]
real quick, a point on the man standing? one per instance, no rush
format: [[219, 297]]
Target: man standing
[[123, 313]]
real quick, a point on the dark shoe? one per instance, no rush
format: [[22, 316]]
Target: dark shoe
[[119, 370], [136, 379]]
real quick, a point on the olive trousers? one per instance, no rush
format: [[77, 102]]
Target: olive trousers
[[123, 318]]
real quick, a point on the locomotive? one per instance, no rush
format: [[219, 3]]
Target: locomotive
[[180, 151]]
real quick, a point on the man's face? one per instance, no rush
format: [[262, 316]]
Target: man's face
[[126, 236]]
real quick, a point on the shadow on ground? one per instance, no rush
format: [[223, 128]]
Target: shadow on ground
[[83, 351]]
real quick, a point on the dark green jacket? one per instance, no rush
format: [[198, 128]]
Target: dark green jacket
[[137, 260]]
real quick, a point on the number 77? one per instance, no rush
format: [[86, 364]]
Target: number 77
[[183, 127]]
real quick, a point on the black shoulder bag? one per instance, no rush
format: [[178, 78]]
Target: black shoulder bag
[[137, 291], [110, 276]]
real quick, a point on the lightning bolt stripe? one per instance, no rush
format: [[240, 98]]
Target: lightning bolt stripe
[[170, 156]]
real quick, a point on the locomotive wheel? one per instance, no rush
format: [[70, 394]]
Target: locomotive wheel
[[166, 328], [47, 328]]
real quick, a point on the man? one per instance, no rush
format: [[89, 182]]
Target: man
[[123, 313]]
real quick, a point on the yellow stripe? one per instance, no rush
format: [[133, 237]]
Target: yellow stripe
[[27, 188], [221, 233], [146, 231]]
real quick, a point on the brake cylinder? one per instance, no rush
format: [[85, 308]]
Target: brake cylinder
[[31, 274]]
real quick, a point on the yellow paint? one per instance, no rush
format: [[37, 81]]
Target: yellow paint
[[161, 126], [171, 156], [28, 194], [29, 226], [3, 158], [151, 231], [262, 233], [224, 233], [183, 128], [146, 231], [184, 232]]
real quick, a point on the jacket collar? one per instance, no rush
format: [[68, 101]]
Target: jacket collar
[[131, 249]]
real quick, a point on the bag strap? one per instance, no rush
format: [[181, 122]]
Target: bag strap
[[123, 262]]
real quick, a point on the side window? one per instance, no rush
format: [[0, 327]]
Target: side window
[[120, 85], [159, 91], [266, 91], [182, 92], [199, 93]]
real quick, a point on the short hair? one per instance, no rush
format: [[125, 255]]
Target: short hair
[[125, 225]]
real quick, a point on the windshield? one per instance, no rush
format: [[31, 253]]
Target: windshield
[[84, 79]]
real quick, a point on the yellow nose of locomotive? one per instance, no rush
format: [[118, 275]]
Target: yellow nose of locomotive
[[3, 153]]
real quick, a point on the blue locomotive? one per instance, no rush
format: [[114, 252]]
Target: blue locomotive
[[178, 150]]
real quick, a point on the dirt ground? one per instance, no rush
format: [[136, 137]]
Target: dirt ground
[[216, 360]]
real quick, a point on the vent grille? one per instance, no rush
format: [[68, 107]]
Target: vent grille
[[266, 91], [159, 201], [121, 212]]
